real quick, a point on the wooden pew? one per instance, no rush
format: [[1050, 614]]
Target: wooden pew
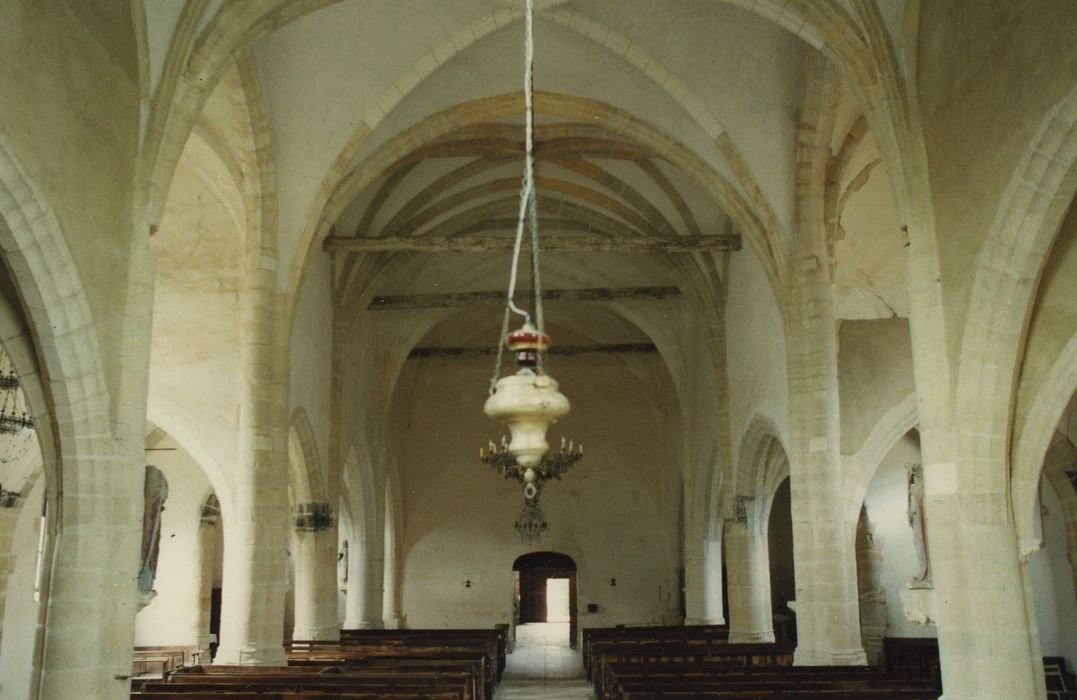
[[159, 660], [710, 680], [498, 635], [354, 654], [457, 683], [593, 635], [718, 653]]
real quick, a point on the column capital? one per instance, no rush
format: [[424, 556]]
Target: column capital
[[312, 517]]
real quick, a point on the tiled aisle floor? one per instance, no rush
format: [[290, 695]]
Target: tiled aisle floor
[[543, 666]]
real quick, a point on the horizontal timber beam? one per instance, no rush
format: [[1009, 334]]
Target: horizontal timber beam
[[464, 299], [557, 242], [555, 350]]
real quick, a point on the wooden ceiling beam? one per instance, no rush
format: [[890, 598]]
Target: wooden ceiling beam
[[409, 302], [550, 241], [444, 353]]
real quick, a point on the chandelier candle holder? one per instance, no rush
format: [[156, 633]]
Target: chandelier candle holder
[[529, 401], [531, 524]]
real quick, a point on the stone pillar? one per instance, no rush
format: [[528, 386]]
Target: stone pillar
[[256, 525], [315, 554], [206, 558], [365, 593], [353, 598], [985, 628], [389, 605], [869, 566], [372, 570], [713, 610], [827, 605], [748, 571], [703, 583]]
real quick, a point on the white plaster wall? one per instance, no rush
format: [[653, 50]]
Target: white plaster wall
[[20, 612], [756, 350], [874, 374], [167, 619], [1052, 582], [606, 514], [887, 505]]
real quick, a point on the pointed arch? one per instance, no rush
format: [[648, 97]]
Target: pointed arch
[[1058, 387], [306, 478], [860, 468], [1009, 267]]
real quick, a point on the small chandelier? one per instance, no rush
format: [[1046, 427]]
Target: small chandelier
[[529, 400], [16, 425], [531, 525]]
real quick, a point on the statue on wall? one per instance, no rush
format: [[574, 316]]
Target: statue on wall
[[342, 566], [918, 521], [155, 491]]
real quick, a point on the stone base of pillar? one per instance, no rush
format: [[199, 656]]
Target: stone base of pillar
[[371, 625], [704, 621], [751, 637], [823, 657], [237, 656], [392, 623], [325, 633]]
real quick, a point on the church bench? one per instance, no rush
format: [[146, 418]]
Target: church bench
[[464, 678], [488, 644], [224, 695], [351, 655], [159, 660], [460, 685], [589, 635], [736, 656], [498, 634], [633, 680], [799, 694], [620, 675]]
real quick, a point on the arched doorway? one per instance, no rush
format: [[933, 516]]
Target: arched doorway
[[545, 591]]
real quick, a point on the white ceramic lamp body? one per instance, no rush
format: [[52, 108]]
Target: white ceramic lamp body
[[528, 403]]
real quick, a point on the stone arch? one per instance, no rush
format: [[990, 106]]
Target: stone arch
[[306, 479], [78, 421], [1057, 389], [860, 467], [44, 272], [345, 180], [759, 459], [201, 50], [1009, 266]]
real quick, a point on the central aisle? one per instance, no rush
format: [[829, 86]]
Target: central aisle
[[543, 666]]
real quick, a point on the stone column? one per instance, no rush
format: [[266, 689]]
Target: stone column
[[353, 594], [372, 570], [827, 605], [703, 583], [206, 558], [389, 605], [985, 628], [873, 614], [748, 571], [315, 572], [713, 610], [256, 525]]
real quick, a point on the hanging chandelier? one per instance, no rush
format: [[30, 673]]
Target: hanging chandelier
[[529, 401], [16, 425]]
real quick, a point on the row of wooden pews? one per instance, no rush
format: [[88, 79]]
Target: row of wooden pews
[[391, 664], [645, 663]]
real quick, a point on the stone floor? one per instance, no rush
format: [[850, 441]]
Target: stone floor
[[543, 666]]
